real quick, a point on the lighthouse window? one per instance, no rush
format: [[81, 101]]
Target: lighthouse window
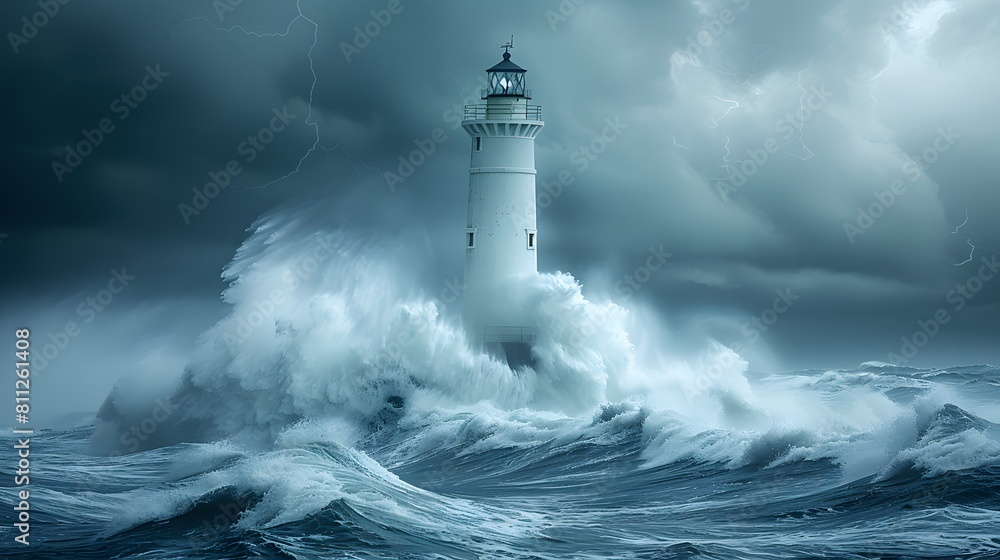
[[531, 240], [479, 143], [470, 238]]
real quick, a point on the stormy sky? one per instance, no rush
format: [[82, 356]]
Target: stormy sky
[[822, 174]]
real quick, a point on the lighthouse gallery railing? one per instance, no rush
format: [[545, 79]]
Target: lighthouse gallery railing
[[503, 334], [503, 112]]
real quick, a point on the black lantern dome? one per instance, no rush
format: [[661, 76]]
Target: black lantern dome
[[506, 79]]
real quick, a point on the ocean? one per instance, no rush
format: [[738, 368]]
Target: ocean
[[337, 412]]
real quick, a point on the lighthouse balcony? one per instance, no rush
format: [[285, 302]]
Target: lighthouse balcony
[[503, 112], [503, 334], [511, 344]]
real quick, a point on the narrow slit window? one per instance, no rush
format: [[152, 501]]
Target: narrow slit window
[[478, 143], [470, 239], [531, 240]]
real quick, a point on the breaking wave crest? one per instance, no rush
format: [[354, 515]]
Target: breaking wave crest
[[324, 325]]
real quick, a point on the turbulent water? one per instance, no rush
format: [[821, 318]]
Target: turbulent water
[[337, 412]]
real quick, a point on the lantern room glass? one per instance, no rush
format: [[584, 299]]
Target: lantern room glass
[[506, 83]]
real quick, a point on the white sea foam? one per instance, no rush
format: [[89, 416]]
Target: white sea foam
[[327, 327]]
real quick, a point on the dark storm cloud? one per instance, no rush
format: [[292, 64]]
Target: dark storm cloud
[[678, 99]]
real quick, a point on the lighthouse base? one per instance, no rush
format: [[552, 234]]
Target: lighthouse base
[[511, 344], [516, 354]]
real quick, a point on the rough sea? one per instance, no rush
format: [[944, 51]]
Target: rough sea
[[348, 418]]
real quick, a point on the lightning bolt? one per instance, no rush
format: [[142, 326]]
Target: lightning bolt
[[235, 27], [967, 240], [747, 82], [312, 90], [802, 99], [735, 105], [889, 64], [696, 62], [674, 139], [871, 90], [892, 44], [353, 159], [880, 72], [741, 83], [316, 144], [756, 61], [725, 161]]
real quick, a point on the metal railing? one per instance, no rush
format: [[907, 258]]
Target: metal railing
[[503, 112], [504, 334]]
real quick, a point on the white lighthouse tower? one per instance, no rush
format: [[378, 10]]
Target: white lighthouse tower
[[501, 241]]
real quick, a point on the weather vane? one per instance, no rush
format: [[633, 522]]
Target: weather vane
[[508, 45]]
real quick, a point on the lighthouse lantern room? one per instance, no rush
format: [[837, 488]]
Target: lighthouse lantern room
[[506, 78]]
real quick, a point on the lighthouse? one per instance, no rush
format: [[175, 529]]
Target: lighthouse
[[501, 239]]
